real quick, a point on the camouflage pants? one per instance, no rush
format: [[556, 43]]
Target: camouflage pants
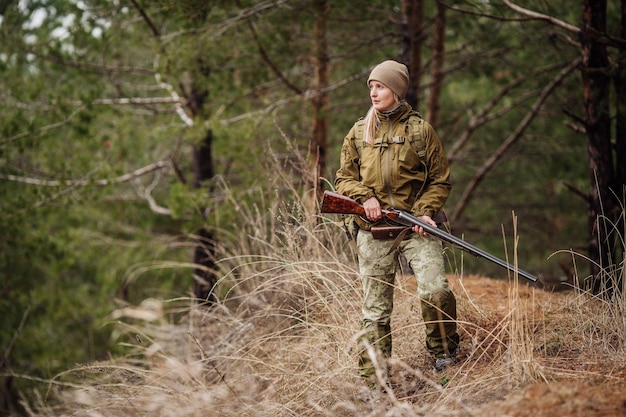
[[378, 269]]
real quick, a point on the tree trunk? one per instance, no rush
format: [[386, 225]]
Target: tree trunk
[[432, 112], [202, 162], [204, 276], [319, 140], [202, 158], [619, 184], [620, 119], [8, 397], [596, 84], [411, 46]]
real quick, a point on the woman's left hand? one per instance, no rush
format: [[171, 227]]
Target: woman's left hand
[[420, 230]]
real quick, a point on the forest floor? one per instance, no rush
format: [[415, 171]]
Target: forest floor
[[525, 352], [565, 377]]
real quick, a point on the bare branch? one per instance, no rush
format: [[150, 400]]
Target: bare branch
[[146, 18], [136, 100], [180, 110], [307, 95], [492, 161], [226, 25], [154, 206], [598, 36], [577, 191], [7, 351], [539, 16], [267, 59], [90, 66], [146, 194], [174, 99], [483, 116], [576, 128], [42, 129], [84, 182]]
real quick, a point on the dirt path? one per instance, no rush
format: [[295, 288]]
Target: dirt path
[[581, 381]]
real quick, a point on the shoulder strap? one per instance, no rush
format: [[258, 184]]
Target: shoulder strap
[[416, 126], [359, 127], [416, 133], [359, 134]]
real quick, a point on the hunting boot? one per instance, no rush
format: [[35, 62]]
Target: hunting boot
[[442, 339], [375, 337]]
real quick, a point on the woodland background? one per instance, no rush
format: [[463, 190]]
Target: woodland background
[[135, 134]]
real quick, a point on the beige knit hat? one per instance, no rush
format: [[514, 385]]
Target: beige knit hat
[[393, 74]]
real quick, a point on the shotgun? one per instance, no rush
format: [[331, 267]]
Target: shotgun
[[340, 204]]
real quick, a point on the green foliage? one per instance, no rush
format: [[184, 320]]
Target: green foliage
[[77, 250], [49, 300]]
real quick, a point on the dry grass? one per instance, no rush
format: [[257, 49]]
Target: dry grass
[[281, 342]]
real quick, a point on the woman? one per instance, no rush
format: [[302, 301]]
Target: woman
[[394, 159]]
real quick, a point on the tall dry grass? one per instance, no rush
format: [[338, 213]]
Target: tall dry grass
[[281, 339]]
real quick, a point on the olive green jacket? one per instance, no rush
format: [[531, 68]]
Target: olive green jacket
[[392, 170]]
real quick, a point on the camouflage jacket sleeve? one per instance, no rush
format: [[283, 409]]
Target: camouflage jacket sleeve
[[348, 179], [437, 187]]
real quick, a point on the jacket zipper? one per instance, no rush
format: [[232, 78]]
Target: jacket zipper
[[388, 166]]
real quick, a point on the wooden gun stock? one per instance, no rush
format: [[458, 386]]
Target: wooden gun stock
[[340, 204]]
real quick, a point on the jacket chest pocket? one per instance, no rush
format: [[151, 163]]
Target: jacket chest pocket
[[408, 156], [370, 166]]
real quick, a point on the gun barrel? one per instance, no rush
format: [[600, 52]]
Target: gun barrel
[[337, 203], [410, 220]]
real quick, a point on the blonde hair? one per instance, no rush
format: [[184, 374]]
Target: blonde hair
[[371, 122]]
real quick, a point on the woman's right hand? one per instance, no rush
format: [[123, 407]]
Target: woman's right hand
[[373, 211]]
